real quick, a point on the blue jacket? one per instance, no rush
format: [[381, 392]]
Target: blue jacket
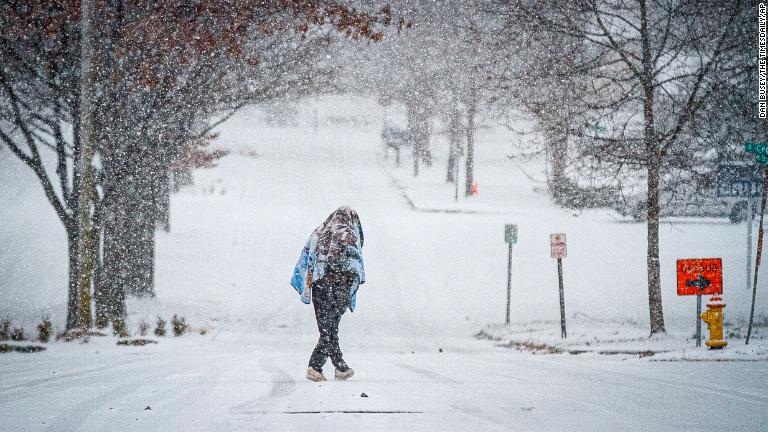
[[308, 260]]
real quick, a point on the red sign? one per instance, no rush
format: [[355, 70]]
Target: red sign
[[557, 246], [700, 276]]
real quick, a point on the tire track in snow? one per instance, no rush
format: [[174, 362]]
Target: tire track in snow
[[178, 389], [474, 412], [74, 417], [57, 378], [715, 391], [282, 385], [428, 374], [620, 379]]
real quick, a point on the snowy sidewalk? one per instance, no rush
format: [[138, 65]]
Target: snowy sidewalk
[[589, 336]]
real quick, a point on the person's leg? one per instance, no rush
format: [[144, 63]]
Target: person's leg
[[334, 350], [340, 300], [324, 323]]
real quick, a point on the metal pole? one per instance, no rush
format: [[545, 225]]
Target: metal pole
[[562, 297], [750, 216], [509, 282], [698, 320], [759, 252]]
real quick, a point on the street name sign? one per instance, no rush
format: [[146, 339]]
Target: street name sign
[[760, 150], [510, 233], [738, 181], [557, 246], [699, 276]]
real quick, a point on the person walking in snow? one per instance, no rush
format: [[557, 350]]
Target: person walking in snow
[[328, 273]]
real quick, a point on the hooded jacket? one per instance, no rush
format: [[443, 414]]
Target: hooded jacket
[[336, 243]]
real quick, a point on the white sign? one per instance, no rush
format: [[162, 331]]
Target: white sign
[[557, 245]]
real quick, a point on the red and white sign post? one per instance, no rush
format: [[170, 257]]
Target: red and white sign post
[[557, 246], [559, 250]]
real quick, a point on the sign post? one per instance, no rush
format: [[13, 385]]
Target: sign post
[[760, 150], [698, 320], [736, 183], [750, 216], [510, 237], [699, 276], [559, 250]]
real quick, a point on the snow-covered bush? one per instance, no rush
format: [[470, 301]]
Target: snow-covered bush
[[44, 330], [160, 330], [179, 325]]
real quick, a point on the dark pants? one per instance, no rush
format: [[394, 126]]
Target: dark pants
[[330, 296]]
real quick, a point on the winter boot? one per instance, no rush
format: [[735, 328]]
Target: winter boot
[[342, 376], [314, 375]]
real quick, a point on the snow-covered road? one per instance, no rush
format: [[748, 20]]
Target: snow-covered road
[[236, 236], [236, 381]]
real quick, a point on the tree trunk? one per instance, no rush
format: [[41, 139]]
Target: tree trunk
[[450, 176], [654, 277], [181, 177], [418, 133], [454, 142], [85, 182], [415, 154], [79, 247], [558, 144], [142, 255], [143, 211], [115, 266], [413, 136], [162, 193], [73, 285], [654, 164], [470, 162]]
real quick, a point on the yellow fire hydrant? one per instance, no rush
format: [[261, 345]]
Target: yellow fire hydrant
[[714, 319]]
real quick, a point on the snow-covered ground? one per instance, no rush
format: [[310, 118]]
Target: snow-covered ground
[[245, 381], [435, 279]]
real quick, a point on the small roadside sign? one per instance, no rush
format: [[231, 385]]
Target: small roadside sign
[[510, 233], [557, 246], [700, 276], [559, 251], [738, 181], [510, 236]]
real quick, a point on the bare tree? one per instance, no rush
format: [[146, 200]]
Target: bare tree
[[652, 68], [163, 72]]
